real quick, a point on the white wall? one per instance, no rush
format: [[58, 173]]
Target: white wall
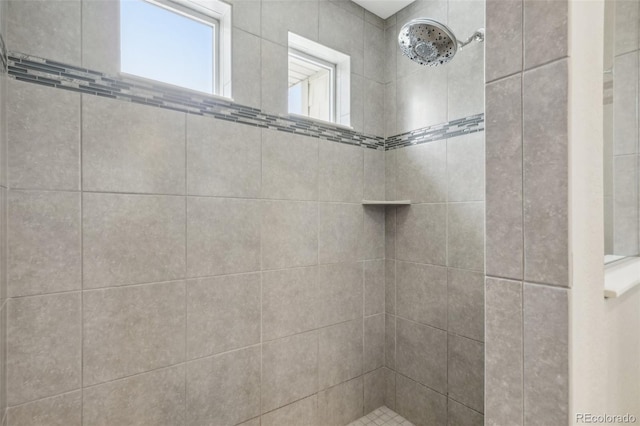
[[605, 334]]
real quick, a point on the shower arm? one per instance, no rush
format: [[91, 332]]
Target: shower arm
[[477, 36]]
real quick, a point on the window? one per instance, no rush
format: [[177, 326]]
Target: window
[[182, 43], [319, 80], [311, 86]]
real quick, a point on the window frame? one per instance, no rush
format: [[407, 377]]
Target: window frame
[[213, 13], [329, 66]]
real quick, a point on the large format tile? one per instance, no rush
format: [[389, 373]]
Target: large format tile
[[300, 413], [289, 370], [465, 238], [343, 32], [422, 172], [44, 242], [340, 232], [465, 167], [289, 302], [374, 52], [129, 330], [223, 158], [43, 136], [546, 224], [44, 346], [374, 328], [144, 153], [223, 313], [421, 234], [246, 64], [373, 244], [224, 389], [61, 410], [626, 29], [49, 29], [419, 404], [546, 355], [129, 239], [342, 404], [281, 16], [465, 301], [289, 166], [389, 388], [459, 415], [340, 172], [223, 236], [156, 398], [340, 351], [421, 292], [504, 221], [274, 75], [421, 97], [374, 287], [422, 354], [545, 31], [374, 174], [466, 371], [374, 390], [390, 341], [100, 37], [373, 108], [504, 353], [339, 292], [390, 286], [289, 234], [503, 45]]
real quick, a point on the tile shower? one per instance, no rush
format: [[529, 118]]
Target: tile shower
[[204, 262]]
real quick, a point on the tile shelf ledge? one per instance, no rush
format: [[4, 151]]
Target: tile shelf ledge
[[621, 277], [386, 203]]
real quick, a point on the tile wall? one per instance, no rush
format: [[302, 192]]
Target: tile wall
[[527, 249], [3, 214], [167, 268], [434, 341], [228, 273]]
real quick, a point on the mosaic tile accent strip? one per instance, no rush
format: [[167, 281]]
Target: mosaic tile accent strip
[[451, 129], [55, 74], [68, 77], [382, 416]]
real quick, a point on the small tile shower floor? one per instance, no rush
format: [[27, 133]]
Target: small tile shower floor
[[382, 416]]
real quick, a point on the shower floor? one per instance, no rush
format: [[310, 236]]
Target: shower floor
[[382, 416]]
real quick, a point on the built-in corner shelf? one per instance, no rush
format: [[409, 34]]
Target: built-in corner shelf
[[386, 203], [621, 276]]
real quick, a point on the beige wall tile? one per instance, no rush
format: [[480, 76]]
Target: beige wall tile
[[61, 410], [340, 232], [340, 287], [340, 351], [156, 398], [341, 404], [129, 239], [129, 330], [340, 172], [44, 346], [422, 293], [223, 236], [224, 389], [466, 371], [374, 342], [300, 413], [223, 313]]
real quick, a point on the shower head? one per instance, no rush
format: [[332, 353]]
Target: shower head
[[430, 42]]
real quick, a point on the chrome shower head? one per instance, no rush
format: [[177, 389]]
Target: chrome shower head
[[430, 42]]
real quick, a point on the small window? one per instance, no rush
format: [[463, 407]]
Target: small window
[[311, 86], [319, 79], [174, 42]]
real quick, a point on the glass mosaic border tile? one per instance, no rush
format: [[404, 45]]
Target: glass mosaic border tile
[[51, 73]]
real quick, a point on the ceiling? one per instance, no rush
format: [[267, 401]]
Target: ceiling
[[383, 8]]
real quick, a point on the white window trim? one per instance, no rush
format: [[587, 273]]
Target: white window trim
[[329, 66], [342, 81], [217, 14]]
